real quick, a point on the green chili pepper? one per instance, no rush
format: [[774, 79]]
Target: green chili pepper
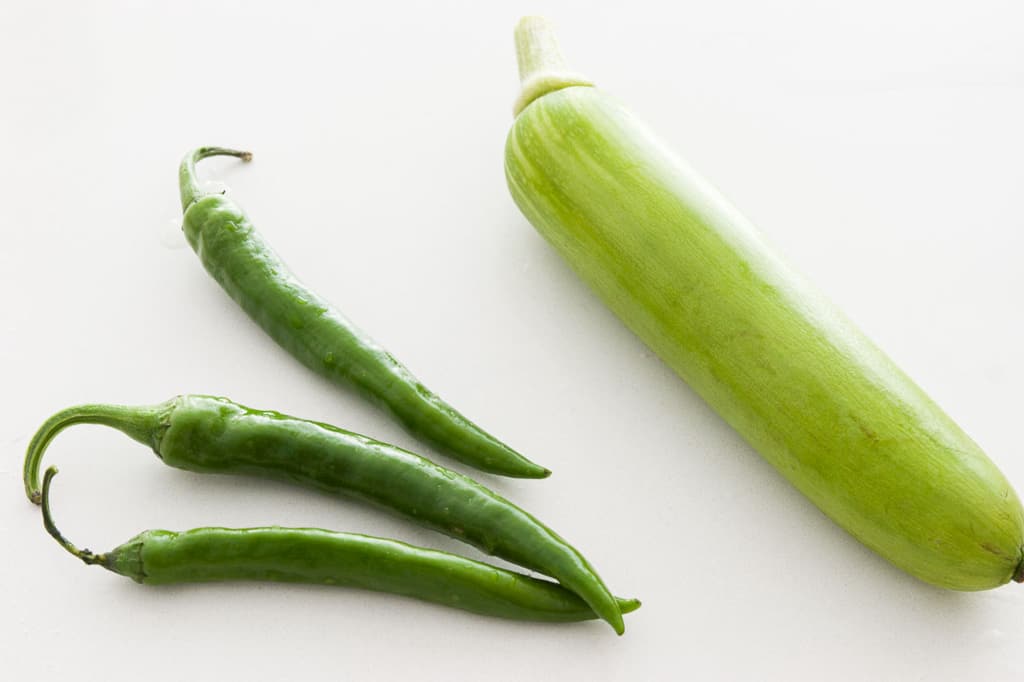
[[214, 435], [318, 335], [312, 555]]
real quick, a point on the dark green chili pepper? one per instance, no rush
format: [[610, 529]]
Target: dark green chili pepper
[[312, 555], [214, 435], [318, 335]]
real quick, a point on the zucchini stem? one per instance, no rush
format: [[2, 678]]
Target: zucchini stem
[[541, 66], [537, 48]]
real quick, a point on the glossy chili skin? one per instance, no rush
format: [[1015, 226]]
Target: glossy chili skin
[[319, 336], [215, 435], [315, 556]]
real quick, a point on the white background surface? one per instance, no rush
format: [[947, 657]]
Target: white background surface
[[878, 143]]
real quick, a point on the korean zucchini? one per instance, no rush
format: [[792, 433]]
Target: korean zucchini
[[696, 282]]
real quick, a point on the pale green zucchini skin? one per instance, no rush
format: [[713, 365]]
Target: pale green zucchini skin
[[693, 279]]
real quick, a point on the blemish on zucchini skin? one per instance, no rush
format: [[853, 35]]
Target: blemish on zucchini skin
[[868, 432], [989, 547]]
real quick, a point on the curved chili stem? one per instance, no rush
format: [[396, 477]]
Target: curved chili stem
[[190, 191], [140, 423], [51, 528]]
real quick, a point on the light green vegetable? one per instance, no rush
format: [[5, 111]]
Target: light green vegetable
[[693, 279]]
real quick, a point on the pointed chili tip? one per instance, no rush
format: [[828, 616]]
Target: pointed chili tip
[[529, 470], [534, 472], [629, 605]]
